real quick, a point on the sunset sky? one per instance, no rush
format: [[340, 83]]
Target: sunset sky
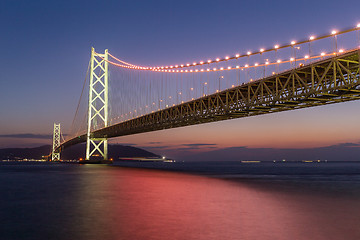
[[45, 49]]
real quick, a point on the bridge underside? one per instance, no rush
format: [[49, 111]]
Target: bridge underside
[[327, 81]]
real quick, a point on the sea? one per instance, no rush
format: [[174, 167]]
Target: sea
[[180, 201]]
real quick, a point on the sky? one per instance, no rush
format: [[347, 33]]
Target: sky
[[45, 50]]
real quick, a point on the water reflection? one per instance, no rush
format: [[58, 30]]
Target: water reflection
[[122, 203]]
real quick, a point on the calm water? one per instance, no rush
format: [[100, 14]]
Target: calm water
[[68, 201]]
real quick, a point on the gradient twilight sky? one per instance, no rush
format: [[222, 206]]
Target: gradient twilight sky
[[45, 49]]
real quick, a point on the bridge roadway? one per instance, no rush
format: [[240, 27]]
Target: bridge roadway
[[327, 81]]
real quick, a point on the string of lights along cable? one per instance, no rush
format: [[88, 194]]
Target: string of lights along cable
[[136, 91]]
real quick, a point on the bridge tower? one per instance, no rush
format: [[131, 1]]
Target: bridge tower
[[98, 106], [55, 156]]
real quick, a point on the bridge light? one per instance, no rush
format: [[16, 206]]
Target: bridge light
[[306, 56], [191, 70], [201, 62], [341, 50], [194, 63], [246, 65], [266, 63], [248, 53], [322, 54], [333, 32], [276, 46], [171, 66], [176, 66], [208, 69], [237, 66], [182, 65], [182, 70], [229, 67], [214, 69], [221, 68], [196, 70], [227, 57], [278, 61], [237, 55], [186, 70], [209, 61], [177, 70], [293, 42], [233, 85], [292, 59], [218, 59], [311, 38], [188, 64], [205, 83], [256, 64], [202, 70], [358, 25], [261, 50]]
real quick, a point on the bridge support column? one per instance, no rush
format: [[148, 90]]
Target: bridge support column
[[55, 156], [98, 108]]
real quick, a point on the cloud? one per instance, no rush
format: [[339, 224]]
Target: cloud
[[123, 144], [155, 147], [198, 144], [347, 145], [154, 142], [26, 135]]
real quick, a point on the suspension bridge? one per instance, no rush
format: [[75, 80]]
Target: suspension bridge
[[120, 98]]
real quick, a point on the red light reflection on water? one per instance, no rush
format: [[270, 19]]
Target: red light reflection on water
[[149, 204]]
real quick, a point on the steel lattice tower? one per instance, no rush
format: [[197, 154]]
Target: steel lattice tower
[[98, 105], [55, 156]]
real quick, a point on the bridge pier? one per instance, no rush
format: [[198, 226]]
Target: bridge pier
[[94, 161]]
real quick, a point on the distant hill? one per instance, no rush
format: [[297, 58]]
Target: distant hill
[[339, 152], [74, 152]]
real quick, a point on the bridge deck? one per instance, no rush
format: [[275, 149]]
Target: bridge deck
[[327, 81]]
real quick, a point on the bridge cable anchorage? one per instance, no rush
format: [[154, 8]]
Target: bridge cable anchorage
[[55, 155]]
